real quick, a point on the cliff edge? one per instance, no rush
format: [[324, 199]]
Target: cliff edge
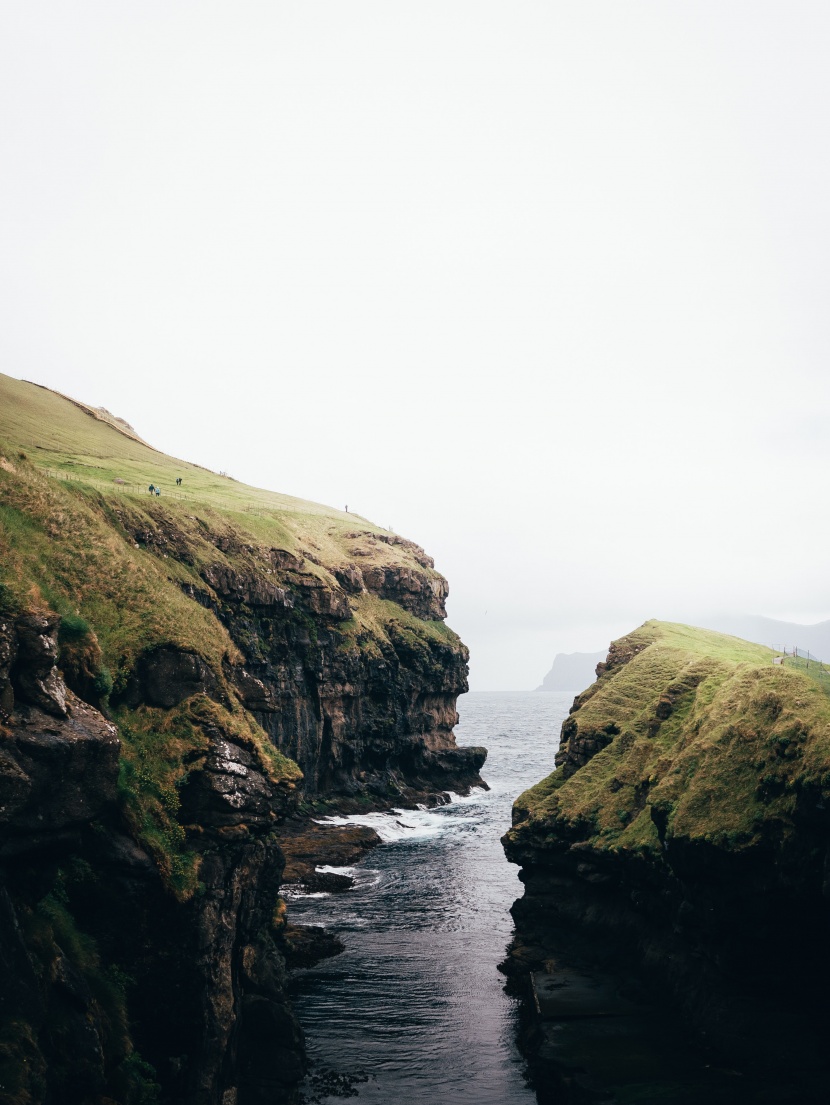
[[687, 830], [180, 673]]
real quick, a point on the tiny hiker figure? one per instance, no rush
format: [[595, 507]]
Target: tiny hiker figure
[[151, 489], [158, 490]]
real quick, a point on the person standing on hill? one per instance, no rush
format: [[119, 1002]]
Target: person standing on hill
[[151, 489]]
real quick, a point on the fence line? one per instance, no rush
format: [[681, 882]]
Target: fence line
[[813, 664]]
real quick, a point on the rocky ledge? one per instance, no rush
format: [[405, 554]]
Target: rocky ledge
[[678, 858]]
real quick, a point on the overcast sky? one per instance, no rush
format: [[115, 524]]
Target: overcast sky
[[543, 286]]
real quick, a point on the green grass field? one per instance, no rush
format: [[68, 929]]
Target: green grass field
[[700, 726], [66, 439], [70, 439]]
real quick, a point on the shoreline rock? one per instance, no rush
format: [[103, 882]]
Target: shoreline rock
[[684, 838]]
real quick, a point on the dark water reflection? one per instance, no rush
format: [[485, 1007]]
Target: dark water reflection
[[416, 1001]]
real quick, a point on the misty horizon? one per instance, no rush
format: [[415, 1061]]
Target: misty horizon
[[540, 288]]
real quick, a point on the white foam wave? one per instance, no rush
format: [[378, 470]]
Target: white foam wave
[[418, 824], [475, 795], [292, 892]]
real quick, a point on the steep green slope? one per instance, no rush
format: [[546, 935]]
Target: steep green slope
[[71, 438], [686, 833], [687, 733]]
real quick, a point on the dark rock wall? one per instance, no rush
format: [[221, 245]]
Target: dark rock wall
[[103, 970], [366, 714], [734, 956], [116, 989]]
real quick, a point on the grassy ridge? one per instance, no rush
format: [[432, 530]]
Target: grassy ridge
[[67, 544], [122, 567], [709, 739], [65, 436]]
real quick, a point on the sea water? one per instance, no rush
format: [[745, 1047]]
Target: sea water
[[414, 1010]]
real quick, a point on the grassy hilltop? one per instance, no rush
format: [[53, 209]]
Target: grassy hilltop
[[72, 439], [128, 572], [62, 539], [686, 734], [684, 836]]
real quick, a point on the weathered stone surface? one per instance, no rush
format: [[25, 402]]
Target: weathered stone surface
[[306, 945], [361, 715], [8, 649], [350, 579], [55, 774], [196, 965], [254, 589], [253, 692], [34, 675], [166, 676], [227, 788], [421, 594], [375, 722], [309, 844]]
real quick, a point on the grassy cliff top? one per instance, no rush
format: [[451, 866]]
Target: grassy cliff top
[[76, 539], [694, 731], [130, 573], [72, 440]]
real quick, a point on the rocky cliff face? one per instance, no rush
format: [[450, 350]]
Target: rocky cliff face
[[686, 831], [103, 968], [164, 668], [350, 670]]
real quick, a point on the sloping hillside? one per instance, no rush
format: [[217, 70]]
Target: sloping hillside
[[180, 673], [687, 829], [687, 734]]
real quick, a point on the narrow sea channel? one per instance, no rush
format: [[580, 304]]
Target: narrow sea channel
[[414, 1010]]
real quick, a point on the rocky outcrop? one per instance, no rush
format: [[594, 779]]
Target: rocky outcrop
[[368, 715], [348, 668], [421, 594], [167, 676], [83, 907], [32, 651], [686, 832], [55, 774]]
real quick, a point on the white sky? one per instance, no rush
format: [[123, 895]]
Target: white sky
[[543, 286]]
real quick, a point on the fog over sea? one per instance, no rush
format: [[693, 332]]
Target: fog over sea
[[416, 1003]]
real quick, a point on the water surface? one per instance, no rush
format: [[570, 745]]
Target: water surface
[[416, 1003]]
